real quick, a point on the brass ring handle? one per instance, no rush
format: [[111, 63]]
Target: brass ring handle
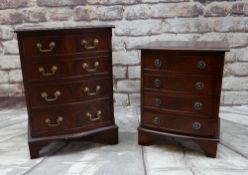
[[157, 63], [199, 86], [50, 49], [56, 96], [86, 45], [157, 83], [201, 64], [85, 66], [88, 93], [54, 68], [198, 106], [92, 118], [196, 125], [156, 120], [158, 102], [50, 124]]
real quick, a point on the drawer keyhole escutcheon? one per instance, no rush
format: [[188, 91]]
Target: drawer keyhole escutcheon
[[198, 106], [50, 49], [85, 66], [43, 72], [196, 125], [56, 96], [199, 86], [157, 83], [87, 46], [156, 120], [157, 63], [50, 124], [88, 93], [158, 102], [92, 118], [201, 64]]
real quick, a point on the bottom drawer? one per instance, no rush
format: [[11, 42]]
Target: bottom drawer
[[71, 119], [180, 124]]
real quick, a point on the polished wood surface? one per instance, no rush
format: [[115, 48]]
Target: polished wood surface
[[212, 46], [67, 76], [180, 92]]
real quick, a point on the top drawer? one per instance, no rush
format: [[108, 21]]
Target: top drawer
[[65, 44], [194, 64]]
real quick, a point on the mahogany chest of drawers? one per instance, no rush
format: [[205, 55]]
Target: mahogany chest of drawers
[[180, 92], [67, 76]]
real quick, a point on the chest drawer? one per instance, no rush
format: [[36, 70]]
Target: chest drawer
[[68, 92], [179, 124], [194, 105], [53, 121], [201, 85], [52, 45], [192, 64], [59, 69]]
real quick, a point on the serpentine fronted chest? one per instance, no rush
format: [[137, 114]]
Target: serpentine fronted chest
[[180, 92], [67, 74]]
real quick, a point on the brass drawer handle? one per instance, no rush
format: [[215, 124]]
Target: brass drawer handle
[[88, 93], [87, 46], [50, 124], [158, 102], [198, 106], [86, 67], [56, 96], [46, 74], [157, 83], [156, 120], [201, 64], [196, 125], [50, 49], [157, 63], [92, 118], [199, 86]]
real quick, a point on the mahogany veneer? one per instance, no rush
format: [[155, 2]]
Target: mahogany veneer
[[67, 74], [180, 92]]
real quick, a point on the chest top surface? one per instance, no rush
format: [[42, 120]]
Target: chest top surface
[[41, 28], [186, 46]]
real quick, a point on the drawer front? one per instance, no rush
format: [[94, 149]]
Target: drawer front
[[184, 104], [183, 64], [50, 70], [179, 124], [53, 121], [68, 92], [46, 45], [65, 44], [88, 42], [181, 84]]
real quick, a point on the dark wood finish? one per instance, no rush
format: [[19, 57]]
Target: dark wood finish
[[180, 92], [174, 82], [183, 103], [70, 91], [201, 46], [179, 124], [62, 46], [68, 85], [148, 136], [66, 69]]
